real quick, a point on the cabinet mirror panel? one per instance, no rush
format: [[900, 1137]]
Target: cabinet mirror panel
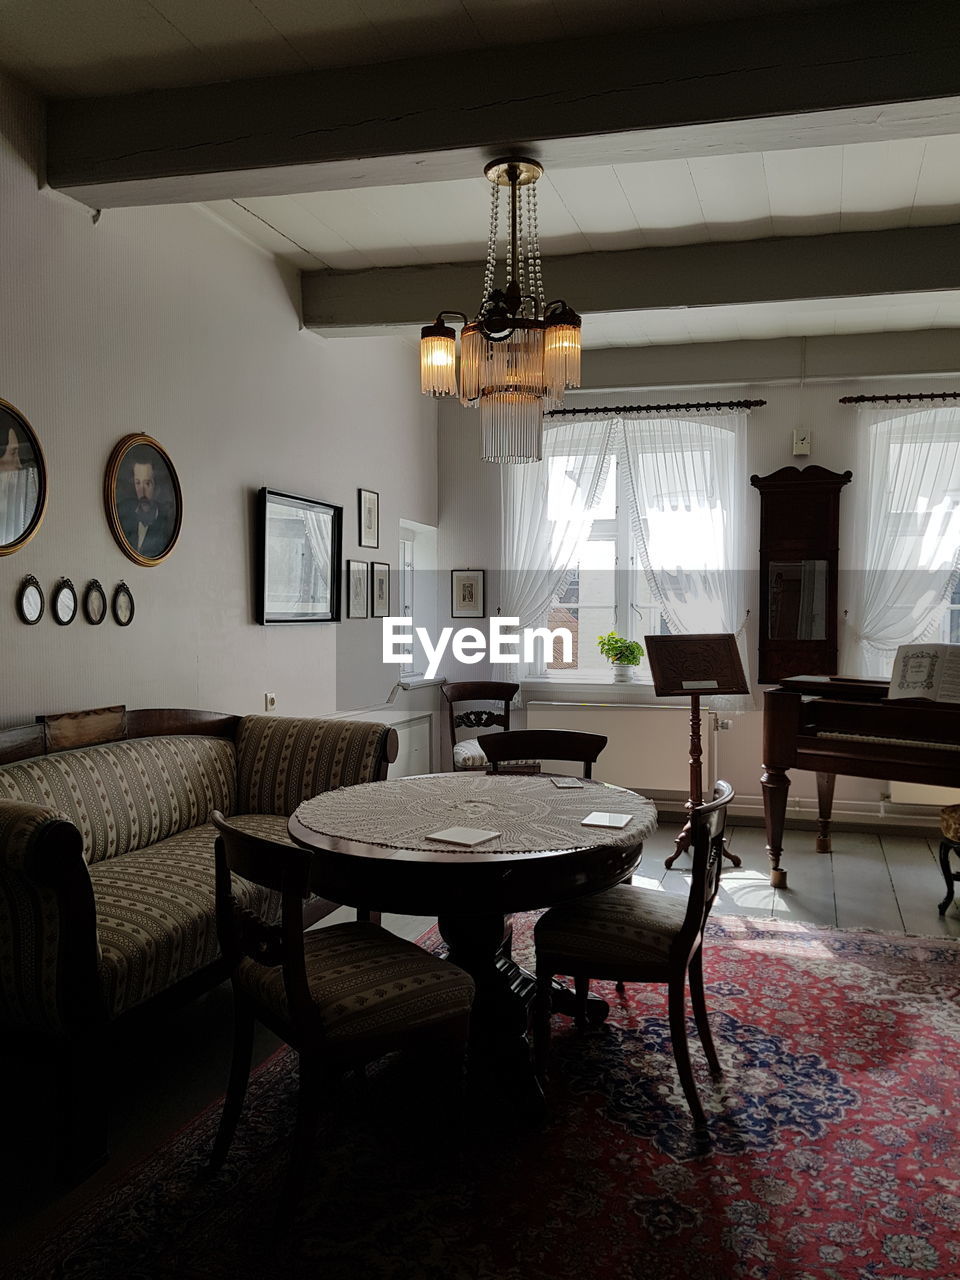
[[798, 600]]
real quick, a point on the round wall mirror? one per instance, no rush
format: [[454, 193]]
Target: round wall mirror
[[94, 603], [64, 602], [122, 605], [23, 480], [30, 600]]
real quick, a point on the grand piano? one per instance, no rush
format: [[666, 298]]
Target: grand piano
[[831, 725]]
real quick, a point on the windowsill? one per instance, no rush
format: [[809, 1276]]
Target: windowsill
[[589, 679]]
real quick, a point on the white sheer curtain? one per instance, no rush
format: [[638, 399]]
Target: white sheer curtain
[[685, 486], [545, 515], [319, 530], [18, 501], [906, 521]]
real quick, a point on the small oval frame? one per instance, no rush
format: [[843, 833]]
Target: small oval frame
[[27, 584], [122, 592], [94, 592], [113, 480], [21, 425], [64, 590]]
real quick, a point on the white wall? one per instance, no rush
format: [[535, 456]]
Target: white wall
[[163, 321], [470, 526]]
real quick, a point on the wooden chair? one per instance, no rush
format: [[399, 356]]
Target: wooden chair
[[467, 752], [949, 843], [545, 744], [341, 996], [641, 935]]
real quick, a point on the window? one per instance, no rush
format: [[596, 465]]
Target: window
[[596, 598], [642, 534]]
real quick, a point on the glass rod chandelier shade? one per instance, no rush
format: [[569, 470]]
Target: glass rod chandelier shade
[[520, 353]]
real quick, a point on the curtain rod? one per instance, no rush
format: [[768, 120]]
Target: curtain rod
[[657, 408], [925, 395]]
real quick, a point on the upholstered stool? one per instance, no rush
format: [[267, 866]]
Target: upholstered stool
[[950, 831]]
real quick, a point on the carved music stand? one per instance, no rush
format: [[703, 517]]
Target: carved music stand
[[691, 666]]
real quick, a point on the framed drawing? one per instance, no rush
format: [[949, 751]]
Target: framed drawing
[[703, 664], [142, 496], [94, 603], [122, 606], [379, 590], [358, 572], [23, 480], [466, 589], [369, 503], [299, 558]]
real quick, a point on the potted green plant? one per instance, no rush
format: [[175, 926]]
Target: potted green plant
[[622, 653]]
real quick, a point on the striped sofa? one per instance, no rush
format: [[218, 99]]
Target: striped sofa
[[107, 873]]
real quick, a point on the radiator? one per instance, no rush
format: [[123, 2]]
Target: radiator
[[919, 793], [648, 748]]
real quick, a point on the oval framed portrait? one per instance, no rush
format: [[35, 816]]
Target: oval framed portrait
[[94, 603], [23, 480], [143, 500], [122, 606]]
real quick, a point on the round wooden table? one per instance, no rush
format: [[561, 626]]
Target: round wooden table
[[371, 849]]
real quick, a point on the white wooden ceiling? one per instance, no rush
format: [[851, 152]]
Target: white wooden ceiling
[[861, 187], [91, 47]]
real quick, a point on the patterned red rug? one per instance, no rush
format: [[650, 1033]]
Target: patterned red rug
[[834, 1147]]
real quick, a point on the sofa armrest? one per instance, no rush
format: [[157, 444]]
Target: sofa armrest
[[48, 923], [282, 761]]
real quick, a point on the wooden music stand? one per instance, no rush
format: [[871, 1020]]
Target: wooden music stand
[[692, 666]]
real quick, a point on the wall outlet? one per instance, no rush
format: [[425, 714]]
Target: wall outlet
[[801, 442], [269, 702]]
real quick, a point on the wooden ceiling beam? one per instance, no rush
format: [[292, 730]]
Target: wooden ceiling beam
[[780, 269], [876, 69]]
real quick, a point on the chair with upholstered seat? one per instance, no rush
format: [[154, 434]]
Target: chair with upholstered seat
[[342, 996], [524, 745], [950, 843], [641, 935], [468, 753]]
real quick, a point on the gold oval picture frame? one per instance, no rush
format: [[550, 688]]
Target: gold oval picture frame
[[23, 480], [143, 500]]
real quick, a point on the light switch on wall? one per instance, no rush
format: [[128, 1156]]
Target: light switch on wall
[[801, 442]]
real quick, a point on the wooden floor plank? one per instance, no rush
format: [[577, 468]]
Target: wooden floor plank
[[862, 886], [919, 885]]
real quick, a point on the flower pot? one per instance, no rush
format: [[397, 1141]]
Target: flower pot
[[622, 672]]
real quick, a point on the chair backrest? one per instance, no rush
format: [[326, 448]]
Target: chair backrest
[[273, 865], [545, 744], [495, 691], [707, 825]]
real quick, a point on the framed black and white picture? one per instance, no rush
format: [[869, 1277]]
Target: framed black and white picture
[[466, 586], [379, 590], [369, 503], [122, 606], [94, 603], [358, 572], [299, 558]]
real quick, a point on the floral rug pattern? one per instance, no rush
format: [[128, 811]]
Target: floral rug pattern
[[833, 1156]]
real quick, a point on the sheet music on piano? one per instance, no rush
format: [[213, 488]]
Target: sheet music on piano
[[930, 671]]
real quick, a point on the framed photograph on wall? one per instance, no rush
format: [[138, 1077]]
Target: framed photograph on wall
[[369, 503], [23, 480], [358, 573], [142, 496], [299, 558], [379, 590], [466, 588]]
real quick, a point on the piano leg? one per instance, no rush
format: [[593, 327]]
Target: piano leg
[[950, 876], [775, 784], [825, 784]]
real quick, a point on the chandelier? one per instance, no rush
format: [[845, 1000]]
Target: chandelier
[[520, 353]]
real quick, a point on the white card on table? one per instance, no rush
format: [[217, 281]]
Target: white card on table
[[462, 835], [563, 783], [599, 818]]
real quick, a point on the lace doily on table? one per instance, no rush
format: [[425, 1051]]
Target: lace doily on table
[[530, 813]]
